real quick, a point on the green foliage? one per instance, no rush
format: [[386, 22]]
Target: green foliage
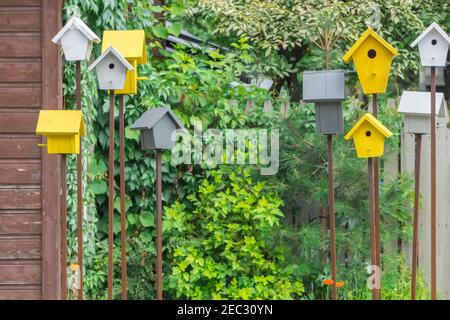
[[220, 243]]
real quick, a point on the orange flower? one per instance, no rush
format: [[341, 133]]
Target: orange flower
[[328, 282], [339, 284], [74, 266]]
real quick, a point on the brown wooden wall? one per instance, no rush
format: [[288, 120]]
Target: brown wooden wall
[[30, 180]]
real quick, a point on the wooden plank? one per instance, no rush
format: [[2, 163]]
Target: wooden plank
[[20, 21], [23, 224], [20, 173], [20, 274], [20, 47], [20, 199], [14, 97], [17, 249], [20, 3], [51, 165], [16, 147], [16, 72], [20, 294], [18, 122]]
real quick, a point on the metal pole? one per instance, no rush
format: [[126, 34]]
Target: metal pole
[[433, 183], [159, 289], [415, 244], [332, 216], [372, 222], [79, 188], [111, 195], [63, 228], [376, 174], [123, 230]]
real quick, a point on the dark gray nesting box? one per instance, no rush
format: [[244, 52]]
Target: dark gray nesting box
[[327, 90], [157, 126]]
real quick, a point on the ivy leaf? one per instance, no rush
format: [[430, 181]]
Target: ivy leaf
[[146, 236], [98, 187], [160, 31], [132, 218], [175, 29], [132, 134], [147, 219]]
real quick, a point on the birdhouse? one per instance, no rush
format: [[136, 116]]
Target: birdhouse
[[327, 90], [132, 46], [433, 46], [157, 126], [63, 129], [111, 69], [76, 40], [372, 57], [416, 106], [368, 135]]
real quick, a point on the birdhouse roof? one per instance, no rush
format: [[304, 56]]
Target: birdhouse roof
[[60, 122], [419, 103], [433, 26], [114, 52], [78, 24], [368, 33], [374, 122], [130, 43], [151, 117]]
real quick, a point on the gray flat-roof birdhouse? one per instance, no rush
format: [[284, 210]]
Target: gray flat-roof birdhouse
[[111, 69], [157, 127], [76, 40], [433, 46], [416, 106], [327, 90]]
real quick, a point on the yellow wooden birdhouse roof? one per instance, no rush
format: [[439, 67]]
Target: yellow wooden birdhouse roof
[[60, 122], [374, 122], [130, 43]]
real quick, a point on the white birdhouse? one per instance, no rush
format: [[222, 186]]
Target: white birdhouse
[[76, 40], [111, 68], [433, 46], [416, 106]]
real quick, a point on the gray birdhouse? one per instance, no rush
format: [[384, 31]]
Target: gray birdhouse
[[76, 40], [433, 46], [157, 126], [111, 69], [416, 106], [327, 90]]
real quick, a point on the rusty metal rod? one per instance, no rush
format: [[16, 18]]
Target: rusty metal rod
[[332, 216], [372, 225], [79, 188], [433, 183], [415, 244], [63, 227], [123, 228], [376, 177], [111, 196], [159, 284]]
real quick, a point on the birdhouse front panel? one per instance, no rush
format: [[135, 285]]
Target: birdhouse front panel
[[76, 46], [63, 144], [163, 132], [130, 85], [433, 50], [329, 118], [417, 124], [369, 142], [111, 73], [372, 63]]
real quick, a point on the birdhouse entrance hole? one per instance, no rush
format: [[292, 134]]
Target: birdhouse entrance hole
[[111, 66], [434, 42], [372, 54], [368, 133]]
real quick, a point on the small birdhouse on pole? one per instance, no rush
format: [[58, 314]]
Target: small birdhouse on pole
[[132, 46], [416, 106], [63, 129], [76, 39], [157, 127], [368, 135], [327, 90], [372, 57], [112, 69], [433, 46]]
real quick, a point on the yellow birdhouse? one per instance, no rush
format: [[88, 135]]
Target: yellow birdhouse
[[368, 135], [63, 129], [372, 57], [132, 46]]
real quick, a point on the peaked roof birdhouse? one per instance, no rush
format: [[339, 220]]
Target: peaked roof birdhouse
[[76, 40], [132, 46], [433, 46], [111, 70], [416, 106], [368, 135], [372, 57], [63, 129], [327, 90], [157, 128]]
